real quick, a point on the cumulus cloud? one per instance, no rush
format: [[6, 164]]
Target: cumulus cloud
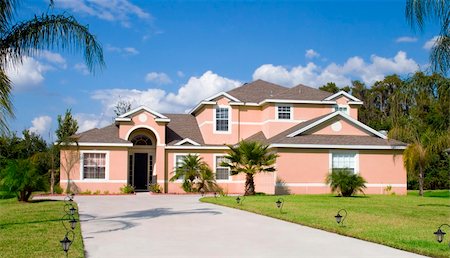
[[41, 125], [310, 53], [90, 121], [353, 68], [53, 58], [430, 43], [158, 78], [405, 39], [110, 10], [27, 75], [189, 94]]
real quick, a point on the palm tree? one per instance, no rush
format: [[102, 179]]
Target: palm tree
[[345, 182], [419, 154], [418, 12], [28, 38], [206, 181], [189, 169], [250, 158]]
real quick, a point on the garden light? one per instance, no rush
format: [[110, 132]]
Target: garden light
[[66, 242], [73, 223], [280, 203], [240, 199], [440, 234], [339, 218]]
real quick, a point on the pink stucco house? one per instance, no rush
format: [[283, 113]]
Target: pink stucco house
[[312, 131]]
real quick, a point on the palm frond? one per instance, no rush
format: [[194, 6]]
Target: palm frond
[[440, 55], [6, 107], [50, 32], [419, 11], [7, 10]]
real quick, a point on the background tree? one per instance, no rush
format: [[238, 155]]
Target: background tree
[[250, 158], [418, 12], [27, 38], [122, 107], [67, 145]]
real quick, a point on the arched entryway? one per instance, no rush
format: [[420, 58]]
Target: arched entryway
[[142, 158]]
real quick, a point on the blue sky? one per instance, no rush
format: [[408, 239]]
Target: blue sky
[[168, 55]]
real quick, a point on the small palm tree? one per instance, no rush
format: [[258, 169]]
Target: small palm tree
[[189, 169], [206, 181], [250, 158], [345, 182], [421, 150], [28, 38]]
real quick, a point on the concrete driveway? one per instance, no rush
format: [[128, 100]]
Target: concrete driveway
[[146, 225]]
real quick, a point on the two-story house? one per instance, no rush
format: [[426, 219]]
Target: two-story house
[[312, 131]]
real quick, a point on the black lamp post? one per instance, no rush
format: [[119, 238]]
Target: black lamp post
[[240, 200], [440, 234], [280, 203], [67, 242], [339, 218], [215, 195]]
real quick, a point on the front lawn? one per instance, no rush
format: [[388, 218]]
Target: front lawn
[[403, 222], [34, 230]]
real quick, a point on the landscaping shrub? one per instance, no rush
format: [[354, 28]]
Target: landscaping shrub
[[155, 188], [127, 189], [58, 189], [345, 182]]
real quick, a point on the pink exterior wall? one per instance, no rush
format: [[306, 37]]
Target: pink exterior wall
[[117, 170], [304, 171], [346, 128]]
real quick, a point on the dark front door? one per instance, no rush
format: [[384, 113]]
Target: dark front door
[[140, 171]]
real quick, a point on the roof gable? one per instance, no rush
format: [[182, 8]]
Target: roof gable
[[326, 118], [158, 116], [343, 93]]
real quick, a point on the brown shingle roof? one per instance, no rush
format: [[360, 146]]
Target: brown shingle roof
[[108, 134], [182, 126], [302, 92], [338, 140], [259, 137], [256, 91]]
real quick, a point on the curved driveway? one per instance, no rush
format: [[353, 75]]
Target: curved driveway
[[146, 225]]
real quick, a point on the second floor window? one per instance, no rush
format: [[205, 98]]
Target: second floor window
[[284, 112], [343, 109], [222, 121]]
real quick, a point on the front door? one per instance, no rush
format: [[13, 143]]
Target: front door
[[140, 171]]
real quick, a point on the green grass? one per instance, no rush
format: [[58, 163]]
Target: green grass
[[34, 230], [431, 193], [403, 222]]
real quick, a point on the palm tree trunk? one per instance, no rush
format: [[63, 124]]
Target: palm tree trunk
[[249, 185], [420, 181]]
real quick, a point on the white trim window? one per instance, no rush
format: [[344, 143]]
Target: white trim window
[[283, 112], [222, 173], [94, 165], [222, 119], [342, 108], [344, 160]]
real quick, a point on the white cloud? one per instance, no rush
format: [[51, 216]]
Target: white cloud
[[158, 78], [70, 100], [27, 75], [189, 94], [430, 43], [180, 74], [90, 121], [126, 51], [82, 68], [353, 68], [54, 58], [41, 125], [310, 53], [110, 10], [405, 39]]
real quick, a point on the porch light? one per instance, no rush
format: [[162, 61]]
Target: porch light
[[440, 234], [339, 218], [280, 203]]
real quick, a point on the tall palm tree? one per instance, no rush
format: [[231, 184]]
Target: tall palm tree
[[422, 148], [418, 12], [27, 38], [250, 158]]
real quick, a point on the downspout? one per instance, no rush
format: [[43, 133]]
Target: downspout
[[166, 171]]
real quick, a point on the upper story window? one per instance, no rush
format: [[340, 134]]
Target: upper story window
[[284, 112], [222, 119], [94, 165], [344, 160], [342, 108]]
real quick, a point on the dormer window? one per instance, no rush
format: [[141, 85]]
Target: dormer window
[[222, 119], [284, 112]]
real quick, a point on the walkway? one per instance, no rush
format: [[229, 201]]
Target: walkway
[[146, 225]]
